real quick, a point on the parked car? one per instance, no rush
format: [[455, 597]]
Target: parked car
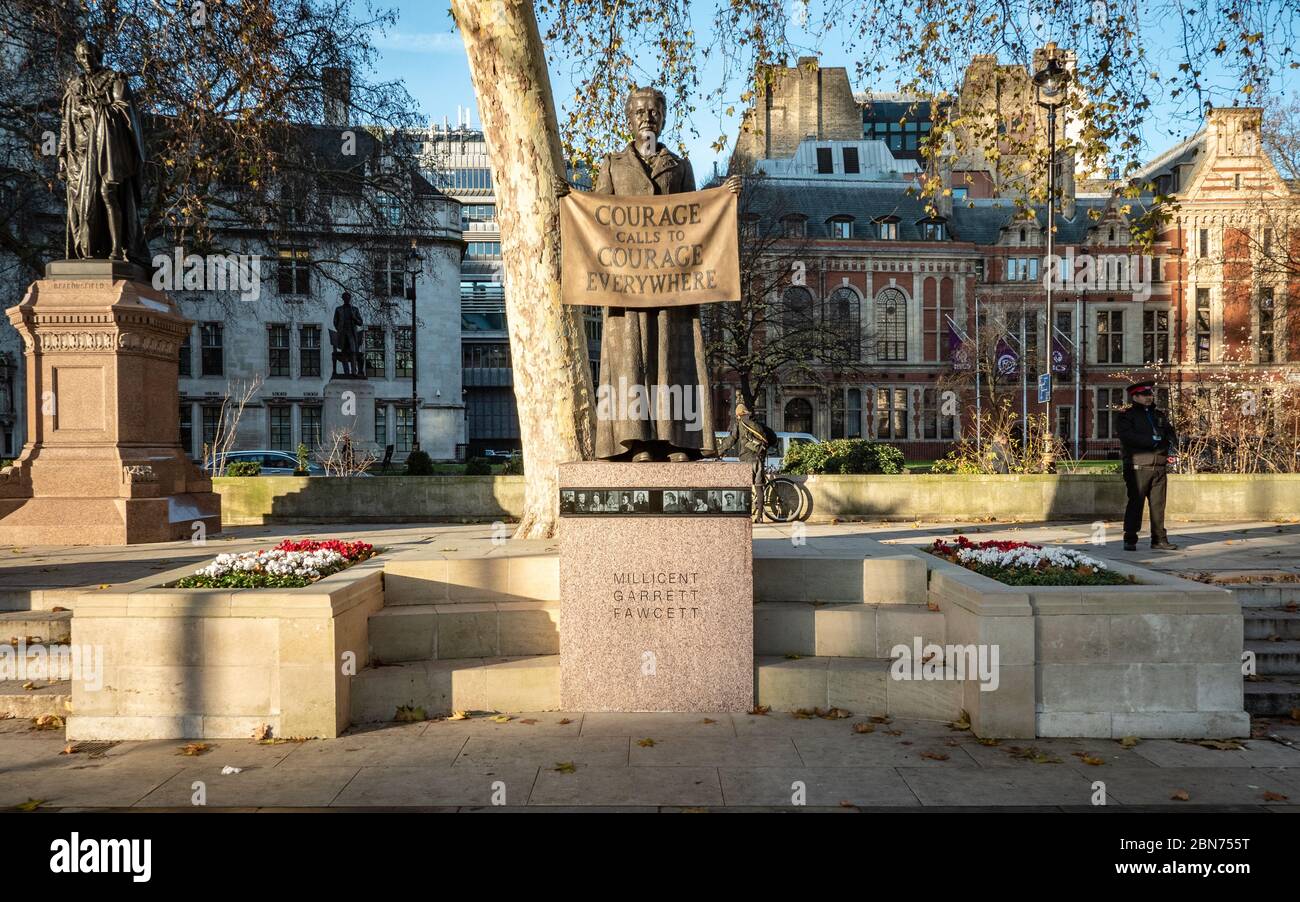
[[500, 455], [274, 463], [776, 453]]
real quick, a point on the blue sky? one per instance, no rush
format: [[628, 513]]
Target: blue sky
[[425, 52]]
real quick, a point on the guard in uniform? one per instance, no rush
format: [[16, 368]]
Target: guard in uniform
[[1148, 439]]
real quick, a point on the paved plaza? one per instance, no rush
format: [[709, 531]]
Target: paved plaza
[[776, 761]]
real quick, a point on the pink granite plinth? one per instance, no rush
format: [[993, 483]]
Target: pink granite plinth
[[656, 610], [103, 464]]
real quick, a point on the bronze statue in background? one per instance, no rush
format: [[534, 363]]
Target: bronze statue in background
[[101, 157]]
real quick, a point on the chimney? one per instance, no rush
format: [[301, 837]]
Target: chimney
[[336, 95]]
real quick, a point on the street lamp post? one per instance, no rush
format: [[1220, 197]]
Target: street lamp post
[[414, 264], [1051, 82]]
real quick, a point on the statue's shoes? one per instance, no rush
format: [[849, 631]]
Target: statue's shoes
[[679, 457], [642, 457]]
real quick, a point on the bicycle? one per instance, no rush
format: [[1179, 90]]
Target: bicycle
[[780, 496]]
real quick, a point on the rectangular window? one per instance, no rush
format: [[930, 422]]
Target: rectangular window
[[854, 416], [293, 272], [841, 228], [1064, 423], [211, 360], [837, 412], [187, 356], [1203, 242], [389, 270], [1156, 274], [1267, 242], [381, 425], [959, 193], [934, 421], [1022, 269], [402, 352], [1110, 401], [933, 231], [211, 423], [825, 162], [309, 351], [851, 160], [887, 231], [376, 367], [1266, 330], [1202, 325], [404, 429], [483, 250], [794, 227], [311, 426], [891, 413], [277, 350], [281, 424], [187, 429], [1155, 336], [1110, 336]]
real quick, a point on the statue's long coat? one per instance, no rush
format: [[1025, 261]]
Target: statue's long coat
[[656, 345], [101, 146]]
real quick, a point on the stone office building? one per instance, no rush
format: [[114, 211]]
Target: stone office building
[[1207, 297]]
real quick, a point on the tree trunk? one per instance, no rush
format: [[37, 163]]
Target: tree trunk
[[552, 379]]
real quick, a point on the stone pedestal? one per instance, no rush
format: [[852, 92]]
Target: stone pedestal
[[350, 405], [103, 462], [657, 601]]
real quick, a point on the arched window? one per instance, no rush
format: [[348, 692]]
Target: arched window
[[891, 325], [796, 314], [842, 314], [798, 415]]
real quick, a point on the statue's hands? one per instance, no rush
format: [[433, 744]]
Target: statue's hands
[[561, 186], [63, 170], [733, 184]]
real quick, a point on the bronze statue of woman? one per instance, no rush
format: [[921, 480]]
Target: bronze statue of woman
[[101, 157], [660, 349]]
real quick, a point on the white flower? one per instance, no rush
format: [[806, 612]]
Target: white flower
[[1029, 558], [306, 564]]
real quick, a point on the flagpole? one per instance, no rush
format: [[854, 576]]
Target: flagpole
[[979, 445], [1024, 382]]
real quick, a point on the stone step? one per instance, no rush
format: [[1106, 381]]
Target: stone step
[[1266, 595], [413, 580], [842, 630], [1276, 697], [889, 579], [794, 576], [1275, 658], [48, 698], [464, 684], [1263, 623], [860, 685], [40, 663], [47, 626], [412, 632]]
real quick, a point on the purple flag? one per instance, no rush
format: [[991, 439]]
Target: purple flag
[[958, 354], [1006, 362], [1062, 359]]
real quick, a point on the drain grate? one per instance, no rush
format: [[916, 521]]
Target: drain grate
[[93, 749]]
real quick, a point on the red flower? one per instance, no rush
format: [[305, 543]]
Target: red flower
[[351, 551]]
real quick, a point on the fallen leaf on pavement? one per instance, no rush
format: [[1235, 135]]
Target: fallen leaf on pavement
[[1180, 796]]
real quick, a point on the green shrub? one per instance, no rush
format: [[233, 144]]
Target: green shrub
[[244, 468], [478, 466], [6, 462], [514, 466], [843, 456], [418, 463]]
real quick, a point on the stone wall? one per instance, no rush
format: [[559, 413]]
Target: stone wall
[[397, 499], [218, 664], [1161, 658]]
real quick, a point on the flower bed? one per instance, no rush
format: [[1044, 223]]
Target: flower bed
[[1026, 564], [289, 565]]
